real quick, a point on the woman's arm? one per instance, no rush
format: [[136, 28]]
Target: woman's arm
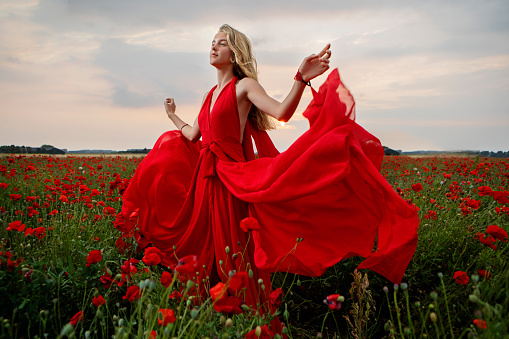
[[312, 66], [192, 133]]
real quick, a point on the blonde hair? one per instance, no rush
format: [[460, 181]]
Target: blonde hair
[[244, 66]]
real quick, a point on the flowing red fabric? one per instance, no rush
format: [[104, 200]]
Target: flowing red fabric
[[326, 188]]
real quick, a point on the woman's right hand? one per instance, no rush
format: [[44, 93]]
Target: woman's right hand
[[169, 106]]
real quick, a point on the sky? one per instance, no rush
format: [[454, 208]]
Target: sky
[[93, 74]]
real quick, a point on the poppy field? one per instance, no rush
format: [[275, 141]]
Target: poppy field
[[70, 266]]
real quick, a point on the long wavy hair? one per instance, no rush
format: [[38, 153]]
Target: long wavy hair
[[244, 65]]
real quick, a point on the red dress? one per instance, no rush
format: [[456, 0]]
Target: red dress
[[326, 188]]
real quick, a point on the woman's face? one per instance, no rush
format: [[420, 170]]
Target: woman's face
[[220, 52]]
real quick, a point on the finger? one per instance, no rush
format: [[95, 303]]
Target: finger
[[324, 51]]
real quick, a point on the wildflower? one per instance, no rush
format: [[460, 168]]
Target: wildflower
[[497, 232], [153, 256], [15, 197], [40, 232], [483, 273], [187, 265], [249, 223], [238, 281], [63, 198], [218, 291], [165, 316], [333, 301], [77, 318], [152, 335], [16, 226], [488, 241], [106, 280], [166, 279], [461, 277], [417, 187], [480, 323], [94, 256], [98, 301], [228, 305], [133, 293], [276, 296]]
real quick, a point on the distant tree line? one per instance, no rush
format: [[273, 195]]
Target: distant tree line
[[44, 149]]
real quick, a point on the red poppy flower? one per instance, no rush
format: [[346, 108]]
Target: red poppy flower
[[417, 187], [228, 305], [187, 264], [238, 281], [480, 323], [16, 226], [106, 280], [497, 232], [264, 333], [461, 277], [488, 241], [40, 232], [501, 197], [152, 335], [218, 291], [133, 293], [153, 256], [484, 191], [15, 197], [166, 279], [94, 256], [333, 302], [4, 185], [98, 301], [165, 316], [128, 267], [276, 296], [483, 273], [249, 223], [63, 198], [77, 318], [175, 295]]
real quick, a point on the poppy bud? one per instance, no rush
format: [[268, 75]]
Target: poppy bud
[[386, 289], [227, 249], [403, 286], [87, 334], [189, 284], [473, 298], [250, 273], [228, 323], [66, 330], [258, 331], [433, 317], [434, 295], [260, 281], [194, 313], [263, 286], [475, 278], [220, 263], [244, 307], [222, 320]]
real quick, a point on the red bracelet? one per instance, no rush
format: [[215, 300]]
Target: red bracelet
[[298, 77]]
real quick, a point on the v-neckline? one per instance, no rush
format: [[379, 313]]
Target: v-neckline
[[211, 106]]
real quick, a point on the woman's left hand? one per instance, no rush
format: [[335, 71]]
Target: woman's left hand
[[315, 64]]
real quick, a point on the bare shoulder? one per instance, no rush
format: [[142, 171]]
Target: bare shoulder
[[247, 84]]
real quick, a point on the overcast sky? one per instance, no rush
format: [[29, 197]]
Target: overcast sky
[[94, 73]]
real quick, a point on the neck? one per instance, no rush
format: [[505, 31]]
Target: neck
[[224, 76]]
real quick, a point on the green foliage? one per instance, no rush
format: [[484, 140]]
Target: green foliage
[[45, 282]]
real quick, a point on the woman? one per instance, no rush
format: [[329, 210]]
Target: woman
[[191, 196]]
